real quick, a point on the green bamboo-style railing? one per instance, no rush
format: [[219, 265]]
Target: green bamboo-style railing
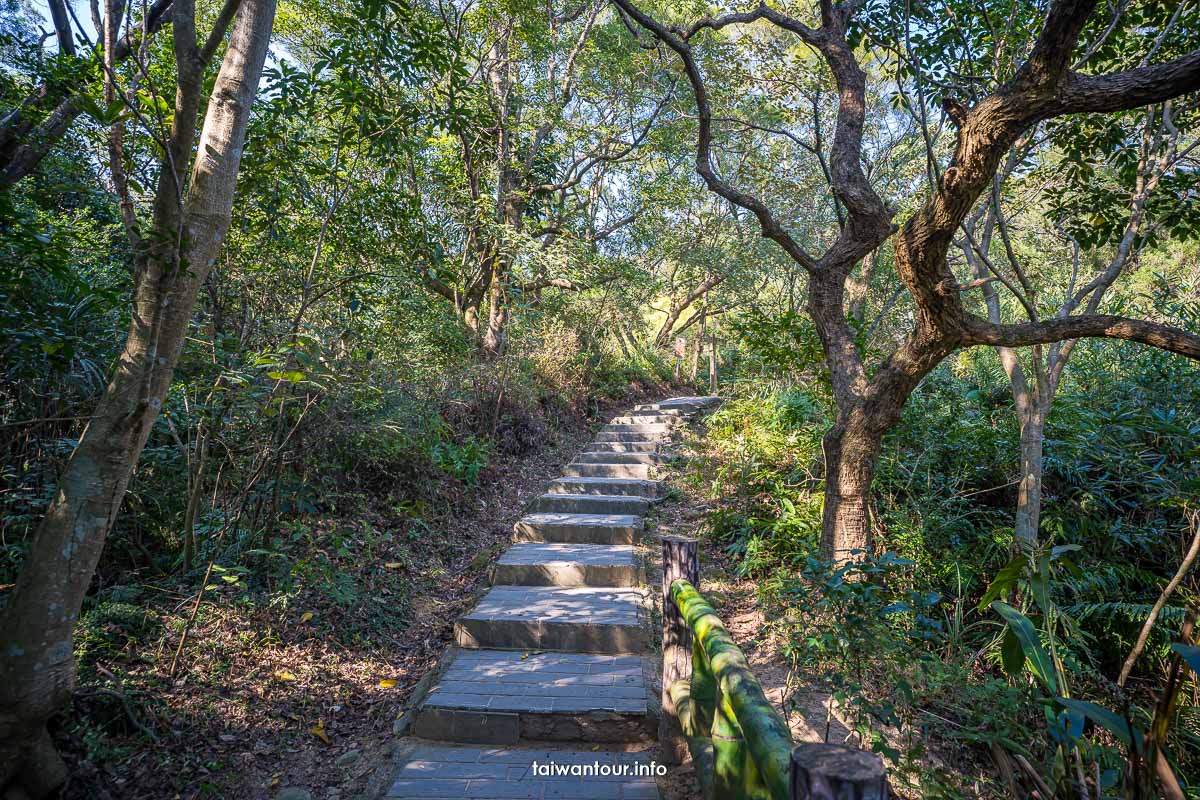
[[740, 744]]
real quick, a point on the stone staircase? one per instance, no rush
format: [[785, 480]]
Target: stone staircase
[[551, 665]]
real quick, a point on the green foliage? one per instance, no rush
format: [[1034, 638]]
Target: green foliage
[[899, 644]]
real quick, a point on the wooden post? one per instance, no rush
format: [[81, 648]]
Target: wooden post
[[830, 772], [680, 559]]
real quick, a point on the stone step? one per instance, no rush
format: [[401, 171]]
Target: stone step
[[581, 528], [647, 418], [623, 486], [575, 619], [556, 564], [586, 470], [437, 772], [684, 405], [618, 458], [622, 447], [651, 408], [654, 428], [624, 436], [590, 504], [509, 696]]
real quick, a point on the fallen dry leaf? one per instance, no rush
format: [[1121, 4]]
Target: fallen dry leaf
[[387, 683], [318, 731], [284, 675]]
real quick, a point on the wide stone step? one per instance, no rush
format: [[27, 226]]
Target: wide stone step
[[577, 619], [618, 458], [626, 436], [661, 430], [432, 772], [650, 408], [684, 405], [590, 504], [581, 528], [509, 696], [623, 486], [622, 447], [587, 470], [556, 564], [646, 418]]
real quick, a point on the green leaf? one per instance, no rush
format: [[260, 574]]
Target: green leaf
[[1012, 657], [1005, 579], [1190, 655], [1039, 660], [1109, 720]]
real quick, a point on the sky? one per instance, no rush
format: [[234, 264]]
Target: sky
[[82, 13]]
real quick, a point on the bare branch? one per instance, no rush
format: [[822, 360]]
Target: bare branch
[[1098, 326]]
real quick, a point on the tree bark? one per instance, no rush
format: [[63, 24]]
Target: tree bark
[[37, 673], [1029, 490], [851, 452]]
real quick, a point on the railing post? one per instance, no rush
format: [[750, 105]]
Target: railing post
[[680, 559], [831, 772]]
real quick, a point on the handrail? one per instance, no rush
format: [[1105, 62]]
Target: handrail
[[714, 707], [743, 707]]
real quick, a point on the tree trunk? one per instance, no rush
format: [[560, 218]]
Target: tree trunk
[[1029, 490], [495, 333], [851, 452], [37, 673]]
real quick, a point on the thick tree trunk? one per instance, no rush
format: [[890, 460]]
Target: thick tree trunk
[[39, 667], [37, 671], [851, 453]]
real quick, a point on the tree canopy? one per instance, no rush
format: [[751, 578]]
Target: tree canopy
[[266, 267]]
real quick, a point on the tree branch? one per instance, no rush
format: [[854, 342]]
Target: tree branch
[[1098, 326], [1119, 91], [771, 227], [217, 35]]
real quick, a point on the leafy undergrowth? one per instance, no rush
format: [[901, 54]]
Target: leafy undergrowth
[[907, 648], [297, 662], [925, 760]]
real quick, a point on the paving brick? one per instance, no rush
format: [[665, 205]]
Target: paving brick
[[628, 436], [684, 405], [646, 418], [557, 697], [659, 428], [624, 447], [619, 458], [437, 773], [591, 504]]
